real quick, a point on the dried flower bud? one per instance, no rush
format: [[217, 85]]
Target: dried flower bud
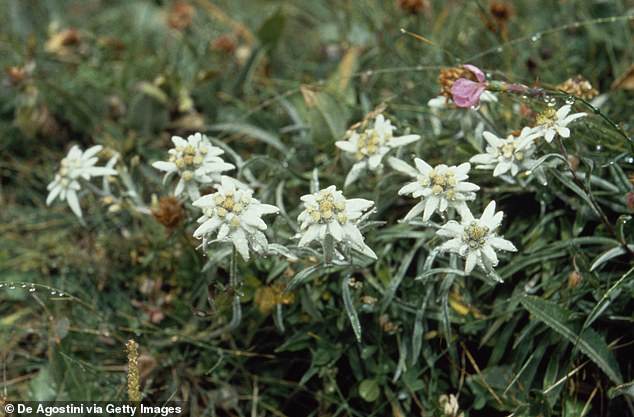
[[180, 15], [574, 279], [578, 86], [225, 44], [413, 6], [501, 11], [629, 198], [573, 161], [388, 326], [16, 74], [169, 212], [60, 43], [448, 76]]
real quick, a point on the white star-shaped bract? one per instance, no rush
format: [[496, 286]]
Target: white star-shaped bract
[[196, 161], [370, 146], [476, 240], [551, 123], [328, 212], [512, 154], [236, 216], [77, 165], [439, 187]]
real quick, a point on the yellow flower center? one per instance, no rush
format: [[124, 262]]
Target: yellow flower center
[[368, 144], [328, 209], [230, 204], [547, 117], [507, 150], [440, 183], [475, 235], [187, 175], [189, 157]]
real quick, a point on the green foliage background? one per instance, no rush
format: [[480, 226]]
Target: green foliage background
[[292, 77]]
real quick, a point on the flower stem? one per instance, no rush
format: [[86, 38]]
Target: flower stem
[[329, 249], [234, 282]]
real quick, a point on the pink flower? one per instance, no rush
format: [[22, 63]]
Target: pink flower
[[466, 93]]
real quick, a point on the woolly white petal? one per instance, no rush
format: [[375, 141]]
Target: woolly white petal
[[492, 139], [489, 253], [207, 227], [310, 234], [415, 211], [402, 166], [470, 262], [422, 166], [335, 230], [502, 244], [409, 188], [431, 206], [178, 141], [462, 169], [354, 173], [403, 140], [374, 161], [564, 132], [563, 112], [241, 243], [73, 202], [346, 146], [452, 245]]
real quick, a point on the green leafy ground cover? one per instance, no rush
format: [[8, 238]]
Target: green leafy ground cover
[[279, 82]]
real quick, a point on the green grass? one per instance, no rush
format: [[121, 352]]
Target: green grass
[[296, 75]]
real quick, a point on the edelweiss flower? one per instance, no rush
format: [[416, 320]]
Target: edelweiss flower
[[236, 215], [552, 122], [440, 187], [328, 212], [370, 146], [195, 161], [510, 154], [476, 239], [76, 165]]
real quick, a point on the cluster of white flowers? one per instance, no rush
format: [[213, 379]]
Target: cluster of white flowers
[[514, 154], [370, 146], [231, 214], [76, 166], [476, 239], [444, 187], [551, 122], [236, 216], [328, 212], [438, 187], [196, 162]]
